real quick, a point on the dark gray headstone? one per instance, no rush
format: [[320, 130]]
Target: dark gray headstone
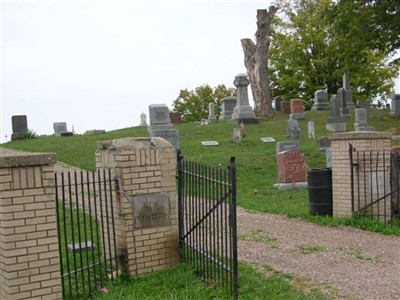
[[171, 135], [19, 127], [395, 106], [66, 133], [335, 122], [341, 96], [151, 210], [323, 143], [277, 102], [287, 145]]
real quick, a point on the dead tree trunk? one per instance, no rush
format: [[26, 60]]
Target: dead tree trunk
[[256, 58]]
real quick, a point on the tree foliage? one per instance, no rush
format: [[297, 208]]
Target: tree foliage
[[193, 105], [316, 42]]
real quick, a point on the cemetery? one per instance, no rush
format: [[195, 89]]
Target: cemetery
[[266, 155], [295, 197]]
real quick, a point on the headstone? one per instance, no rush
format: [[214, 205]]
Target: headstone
[[321, 101], [395, 106], [228, 104], [243, 113], [211, 112], [291, 166], [341, 96], [285, 105], [143, 119], [176, 118], [311, 129], [87, 245], [59, 127], [210, 143], [19, 127], [293, 129], [335, 122], [364, 104], [277, 103], [160, 125], [323, 143], [237, 135], [204, 122], [328, 158], [268, 140], [287, 145], [297, 109], [361, 122], [387, 106], [349, 94], [99, 131], [396, 137]]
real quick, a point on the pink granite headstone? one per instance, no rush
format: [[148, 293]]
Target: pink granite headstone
[[291, 166], [296, 106]]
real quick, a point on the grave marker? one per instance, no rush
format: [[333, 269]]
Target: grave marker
[[210, 143], [59, 127], [19, 127], [311, 129], [291, 166], [237, 134], [143, 119], [285, 107], [293, 129], [211, 112], [277, 103], [335, 122], [297, 109], [268, 140], [160, 125], [361, 123], [287, 145], [243, 111], [228, 104], [321, 101]]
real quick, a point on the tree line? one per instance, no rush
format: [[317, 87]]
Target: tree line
[[310, 45]]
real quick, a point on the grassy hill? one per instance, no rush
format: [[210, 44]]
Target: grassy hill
[[256, 161], [256, 174]]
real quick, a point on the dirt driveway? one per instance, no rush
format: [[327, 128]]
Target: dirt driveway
[[347, 263]]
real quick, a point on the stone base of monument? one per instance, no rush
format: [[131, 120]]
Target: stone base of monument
[[291, 185], [247, 121], [336, 125], [363, 127], [320, 107], [297, 116], [66, 133], [17, 136], [244, 114], [171, 135]]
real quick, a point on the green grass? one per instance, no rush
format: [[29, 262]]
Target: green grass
[[256, 174]]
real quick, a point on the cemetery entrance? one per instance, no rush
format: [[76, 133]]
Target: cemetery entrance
[[375, 184], [86, 232], [207, 222]]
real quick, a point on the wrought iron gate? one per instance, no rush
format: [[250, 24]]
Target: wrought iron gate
[[207, 221], [375, 184], [86, 232]]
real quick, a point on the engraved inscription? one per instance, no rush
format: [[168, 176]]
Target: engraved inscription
[[151, 210]]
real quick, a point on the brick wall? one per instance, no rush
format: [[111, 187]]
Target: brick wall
[[146, 169], [341, 176], [29, 259]]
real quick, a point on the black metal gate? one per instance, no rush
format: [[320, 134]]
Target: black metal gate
[[86, 232], [207, 221], [375, 184]]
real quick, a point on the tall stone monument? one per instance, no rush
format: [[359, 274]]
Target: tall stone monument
[[160, 124], [243, 111], [349, 95], [341, 96], [335, 121]]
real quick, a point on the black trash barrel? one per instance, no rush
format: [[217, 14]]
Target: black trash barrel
[[320, 191]]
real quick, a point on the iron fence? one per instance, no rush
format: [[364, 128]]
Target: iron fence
[[86, 232], [375, 184], [207, 221]]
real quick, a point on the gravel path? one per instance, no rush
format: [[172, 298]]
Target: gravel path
[[344, 262]]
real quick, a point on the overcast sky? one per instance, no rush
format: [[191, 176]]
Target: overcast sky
[[100, 64]]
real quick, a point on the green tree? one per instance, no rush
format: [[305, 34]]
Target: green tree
[[193, 105], [313, 45]]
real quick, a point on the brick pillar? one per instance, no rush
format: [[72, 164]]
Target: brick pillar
[[146, 205], [341, 179], [29, 257]]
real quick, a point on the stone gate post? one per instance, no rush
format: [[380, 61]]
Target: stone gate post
[[146, 205]]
